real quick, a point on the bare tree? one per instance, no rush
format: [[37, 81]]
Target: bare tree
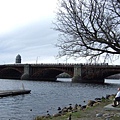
[[89, 28]]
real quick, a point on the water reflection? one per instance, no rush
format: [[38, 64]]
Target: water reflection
[[112, 81]]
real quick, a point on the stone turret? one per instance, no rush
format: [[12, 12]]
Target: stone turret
[[18, 59]]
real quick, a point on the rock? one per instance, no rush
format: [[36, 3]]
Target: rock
[[107, 96], [70, 107], [117, 115], [99, 115], [98, 99], [111, 97], [97, 103], [64, 110], [57, 114], [83, 107], [75, 107], [90, 103], [59, 108], [107, 116]]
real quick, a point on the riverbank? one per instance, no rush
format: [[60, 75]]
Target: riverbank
[[94, 110]]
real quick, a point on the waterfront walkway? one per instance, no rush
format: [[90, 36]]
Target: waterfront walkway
[[110, 107]]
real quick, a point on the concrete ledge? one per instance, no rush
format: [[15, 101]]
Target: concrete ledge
[[110, 107]]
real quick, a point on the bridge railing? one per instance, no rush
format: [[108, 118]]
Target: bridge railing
[[64, 64], [59, 64]]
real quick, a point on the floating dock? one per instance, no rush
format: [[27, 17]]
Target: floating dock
[[5, 93]]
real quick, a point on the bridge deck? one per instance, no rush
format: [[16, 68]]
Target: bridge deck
[[5, 93]]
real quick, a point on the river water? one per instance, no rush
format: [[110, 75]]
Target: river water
[[48, 96]]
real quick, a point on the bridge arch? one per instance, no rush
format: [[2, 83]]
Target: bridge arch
[[10, 73], [49, 74], [98, 74], [111, 73]]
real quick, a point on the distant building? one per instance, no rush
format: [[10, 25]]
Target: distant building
[[18, 59]]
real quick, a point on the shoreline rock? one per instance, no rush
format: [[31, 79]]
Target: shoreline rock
[[77, 107]]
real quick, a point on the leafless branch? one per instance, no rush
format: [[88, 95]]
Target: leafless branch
[[89, 28]]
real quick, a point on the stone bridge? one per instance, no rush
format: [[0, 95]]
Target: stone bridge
[[91, 73]]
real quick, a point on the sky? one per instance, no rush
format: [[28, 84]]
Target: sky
[[26, 29]]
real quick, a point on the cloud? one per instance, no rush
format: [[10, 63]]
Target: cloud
[[16, 13], [25, 29], [30, 41]]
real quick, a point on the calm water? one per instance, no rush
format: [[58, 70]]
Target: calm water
[[48, 96]]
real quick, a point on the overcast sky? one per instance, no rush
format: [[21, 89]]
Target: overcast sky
[[26, 29]]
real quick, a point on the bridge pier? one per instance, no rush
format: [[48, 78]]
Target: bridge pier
[[26, 74], [77, 73], [78, 78]]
